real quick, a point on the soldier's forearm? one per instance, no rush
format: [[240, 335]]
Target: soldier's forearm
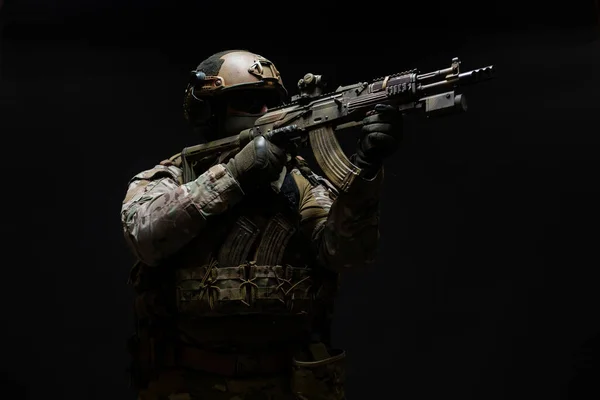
[[350, 236], [159, 223]]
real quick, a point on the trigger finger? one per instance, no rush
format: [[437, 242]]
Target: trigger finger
[[260, 149]]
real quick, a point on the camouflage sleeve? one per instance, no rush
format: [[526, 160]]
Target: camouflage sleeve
[[345, 231], [160, 215]]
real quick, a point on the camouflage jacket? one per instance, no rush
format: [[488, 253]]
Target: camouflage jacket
[[276, 252], [160, 214]]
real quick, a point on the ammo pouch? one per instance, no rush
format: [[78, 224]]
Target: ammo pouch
[[320, 380], [245, 289]]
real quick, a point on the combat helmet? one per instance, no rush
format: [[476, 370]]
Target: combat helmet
[[239, 79]]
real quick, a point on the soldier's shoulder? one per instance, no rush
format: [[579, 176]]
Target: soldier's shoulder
[[169, 168], [175, 160]]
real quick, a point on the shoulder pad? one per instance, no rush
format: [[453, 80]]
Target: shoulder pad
[[175, 160], [158, 172]]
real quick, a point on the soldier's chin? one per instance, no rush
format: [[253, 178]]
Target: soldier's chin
[[234, 124]]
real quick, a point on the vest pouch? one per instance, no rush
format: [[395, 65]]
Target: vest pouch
[[320, 380], [246, 289]]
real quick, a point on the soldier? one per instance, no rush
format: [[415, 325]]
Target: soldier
[[239, 264]]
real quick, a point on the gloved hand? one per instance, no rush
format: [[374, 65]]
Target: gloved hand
[[381, 134], [259, 162]]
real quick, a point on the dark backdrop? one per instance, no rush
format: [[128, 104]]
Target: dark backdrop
[[485, 285]]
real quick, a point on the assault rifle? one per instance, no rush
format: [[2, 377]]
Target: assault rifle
[[312, 117]]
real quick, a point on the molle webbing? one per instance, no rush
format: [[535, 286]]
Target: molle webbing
[[246, 289]]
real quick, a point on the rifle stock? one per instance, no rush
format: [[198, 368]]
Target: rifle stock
[[313, 116]]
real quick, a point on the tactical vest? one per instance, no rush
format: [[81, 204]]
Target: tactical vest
[[249, 279]]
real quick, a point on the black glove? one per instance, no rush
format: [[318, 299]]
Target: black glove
[[258, 163], [380, 138]]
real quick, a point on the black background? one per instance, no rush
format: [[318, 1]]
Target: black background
[[485, 287]]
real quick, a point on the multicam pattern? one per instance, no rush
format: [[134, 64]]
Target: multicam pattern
[[160, 216], [345, 231]]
